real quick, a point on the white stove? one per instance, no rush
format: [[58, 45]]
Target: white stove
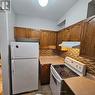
[[70, 68]]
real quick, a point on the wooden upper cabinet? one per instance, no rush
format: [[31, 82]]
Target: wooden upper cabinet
[[26, 33], [52, 38], [36, 34], [47, 39], [72, 33], [63, 35], [75, 32], [44, 40], [66, 34], [33, 34], [59, 37], [20, 33], [88, 39]]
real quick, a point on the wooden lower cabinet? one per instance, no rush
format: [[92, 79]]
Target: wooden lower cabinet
[[45, 74]]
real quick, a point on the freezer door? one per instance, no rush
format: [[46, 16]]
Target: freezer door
[[24, 75], [24, 50]]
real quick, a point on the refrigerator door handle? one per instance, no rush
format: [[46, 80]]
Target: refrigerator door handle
[[13, 66]]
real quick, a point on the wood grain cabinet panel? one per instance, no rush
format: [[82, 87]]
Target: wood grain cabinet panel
[[72, 33], [88, 39], [20, 33], [44, 39], [36, 34], [45, 73], [59, 40], [66, 35], [62, 35], [28, 33], [75, 32], [47, 38], [52, 38]]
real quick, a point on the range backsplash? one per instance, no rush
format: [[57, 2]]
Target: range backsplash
[[47, 52], [73, 53]]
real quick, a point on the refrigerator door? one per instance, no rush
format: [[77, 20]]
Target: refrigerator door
[[24, 75], [24, 50]]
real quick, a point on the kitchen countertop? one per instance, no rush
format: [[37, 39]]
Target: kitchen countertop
[[51, 60], [81, 85]]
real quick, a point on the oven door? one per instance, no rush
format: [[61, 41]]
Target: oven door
[[55, 83]]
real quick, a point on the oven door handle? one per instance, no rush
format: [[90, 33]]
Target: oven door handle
[[55, 77]]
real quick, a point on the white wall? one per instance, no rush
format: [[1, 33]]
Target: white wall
[[37, 23], [77, 13], [11, 23], [7, 21], [4, 42]]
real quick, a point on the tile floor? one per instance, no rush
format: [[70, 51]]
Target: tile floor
[[43, 90]]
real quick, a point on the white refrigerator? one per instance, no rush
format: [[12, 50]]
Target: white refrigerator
[[24, 66]]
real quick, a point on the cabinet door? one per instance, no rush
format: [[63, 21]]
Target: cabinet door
[[44, 40], [24, 75], [45, 73], [52, 38], [47, 39], [75, 32], [63, 35], [88, 39], [66, 35], [36, 34], [59, 40], [28, 33], [20, 33], [59, 37]]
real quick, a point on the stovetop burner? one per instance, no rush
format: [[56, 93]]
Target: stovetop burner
[[64, 71]]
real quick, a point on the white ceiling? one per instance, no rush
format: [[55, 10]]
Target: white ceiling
[[53, 11]]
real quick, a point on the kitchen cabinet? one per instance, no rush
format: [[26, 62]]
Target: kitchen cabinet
[[35, 34], [20, 33], [88, 38], [45, 73], [46, 38], [72, 33], [52, 38], [26, 33], [44, 41], [75, 32], [62, 35], [66, 35]]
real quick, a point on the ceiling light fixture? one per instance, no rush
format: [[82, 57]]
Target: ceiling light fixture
[[43, 3]]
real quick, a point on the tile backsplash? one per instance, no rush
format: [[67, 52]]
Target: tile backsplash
[[47, 52], [73, 53]]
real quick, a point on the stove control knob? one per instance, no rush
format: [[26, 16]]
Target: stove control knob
[[80, 68], [76, 66]]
